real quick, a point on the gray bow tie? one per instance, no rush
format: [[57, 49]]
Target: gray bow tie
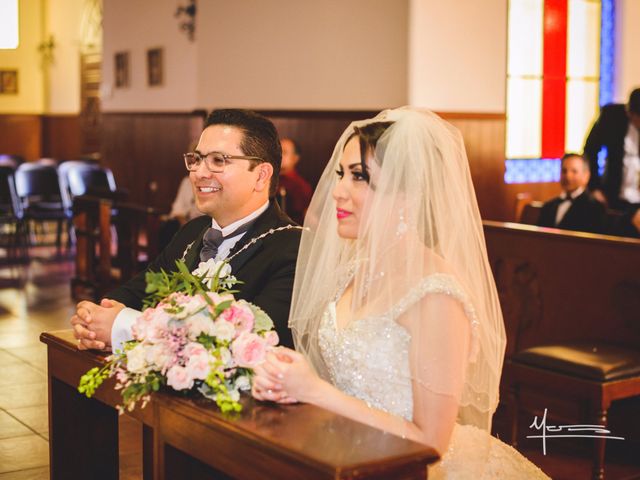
[[213, 238]]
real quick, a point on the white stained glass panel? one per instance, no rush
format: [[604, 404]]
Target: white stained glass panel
[[582, 110], [525, 37], [524, 118], [583, 38], [8, 24]]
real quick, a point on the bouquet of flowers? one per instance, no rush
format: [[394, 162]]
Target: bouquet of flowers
[[192, 335]]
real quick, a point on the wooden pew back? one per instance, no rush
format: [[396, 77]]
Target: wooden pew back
[[556, 285], [101, 263]]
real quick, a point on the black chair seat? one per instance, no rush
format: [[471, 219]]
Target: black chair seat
[[591, 361]]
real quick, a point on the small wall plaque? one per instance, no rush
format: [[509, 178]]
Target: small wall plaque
[[155, 68], [9, 82], [122, 69]]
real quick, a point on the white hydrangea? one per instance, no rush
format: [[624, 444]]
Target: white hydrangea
[[136, 359]]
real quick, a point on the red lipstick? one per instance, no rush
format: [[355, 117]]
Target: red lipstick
[[340, 213]]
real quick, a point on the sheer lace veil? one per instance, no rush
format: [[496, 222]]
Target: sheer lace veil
[[420, 219]]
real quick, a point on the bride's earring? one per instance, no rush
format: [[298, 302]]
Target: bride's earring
[[402, 227]]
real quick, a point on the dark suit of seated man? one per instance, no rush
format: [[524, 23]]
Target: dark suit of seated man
[[235, 189], [574, 209]]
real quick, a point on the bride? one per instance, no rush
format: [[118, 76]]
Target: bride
[[395, 318]]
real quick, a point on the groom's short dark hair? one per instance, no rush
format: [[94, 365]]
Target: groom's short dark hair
[[259, 139]]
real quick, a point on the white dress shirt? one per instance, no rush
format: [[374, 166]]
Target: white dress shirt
[[630, 188], [121, 331], [565, 204], [184, 204]]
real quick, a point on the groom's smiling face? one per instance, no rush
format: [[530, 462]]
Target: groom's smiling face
[[237, 191]]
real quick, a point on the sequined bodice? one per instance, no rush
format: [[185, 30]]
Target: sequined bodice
[[369, 359]]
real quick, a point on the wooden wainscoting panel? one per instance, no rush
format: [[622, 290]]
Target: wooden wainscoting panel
[[21, 135], [316, 133], [484, 139], [62, 137], [144, 150]]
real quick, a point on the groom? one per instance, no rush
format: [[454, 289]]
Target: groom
[[235, 189]]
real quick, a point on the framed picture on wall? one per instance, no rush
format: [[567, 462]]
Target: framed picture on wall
[[122, 69], [9, 82], [155, 68]]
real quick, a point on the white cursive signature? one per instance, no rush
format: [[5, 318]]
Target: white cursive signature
[[549, 431]]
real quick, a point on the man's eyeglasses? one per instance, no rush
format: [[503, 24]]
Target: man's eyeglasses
[[214, 161]]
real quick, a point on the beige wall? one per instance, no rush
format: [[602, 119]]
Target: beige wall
[[26, 60], [293, 54], [458, 55], [63, 19], [136, 26], [627, 48], [288, 54]]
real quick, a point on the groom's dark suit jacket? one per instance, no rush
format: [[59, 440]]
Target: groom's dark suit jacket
[[584, 215], [266, 268]]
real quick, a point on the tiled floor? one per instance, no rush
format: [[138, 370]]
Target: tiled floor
[[26, 309], [37, 298]]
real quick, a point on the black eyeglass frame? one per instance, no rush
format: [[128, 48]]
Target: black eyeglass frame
[[209, 159]]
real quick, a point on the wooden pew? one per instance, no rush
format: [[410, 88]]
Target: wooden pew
[[187, 438], [557, 285], [561, 287]]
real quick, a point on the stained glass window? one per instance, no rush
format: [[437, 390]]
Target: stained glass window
[[558, 73]]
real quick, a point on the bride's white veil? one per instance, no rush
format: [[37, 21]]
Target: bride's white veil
[[421, 218]]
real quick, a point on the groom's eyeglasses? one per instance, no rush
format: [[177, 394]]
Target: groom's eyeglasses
[[214, 161]]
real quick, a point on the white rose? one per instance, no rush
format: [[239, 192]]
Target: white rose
[[199, 323], [243, 383], [225, 357], [223, 330], [158, 357], [191, 307], [235, 395], [136, 359]]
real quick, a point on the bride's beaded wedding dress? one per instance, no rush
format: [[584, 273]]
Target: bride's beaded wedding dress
[[369, 359]]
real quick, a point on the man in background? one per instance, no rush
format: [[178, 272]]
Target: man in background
[[295, 192], [617, 129], [575, 208]]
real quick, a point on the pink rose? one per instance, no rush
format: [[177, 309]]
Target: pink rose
[[178, 378], [152, 325], [240, 315], [249, 350], [193, 349], [272, 338]]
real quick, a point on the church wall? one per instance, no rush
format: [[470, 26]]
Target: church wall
[[458, 55], [25, 59], [329, 55], [136, 27], [627, 47]]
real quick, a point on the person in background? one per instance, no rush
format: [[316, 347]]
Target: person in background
[[294, 191], [628, 225], [183, 209], [617, 129], [575, 208]]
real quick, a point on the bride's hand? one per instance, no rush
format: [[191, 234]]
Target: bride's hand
[[288, 372], [266, 386]]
